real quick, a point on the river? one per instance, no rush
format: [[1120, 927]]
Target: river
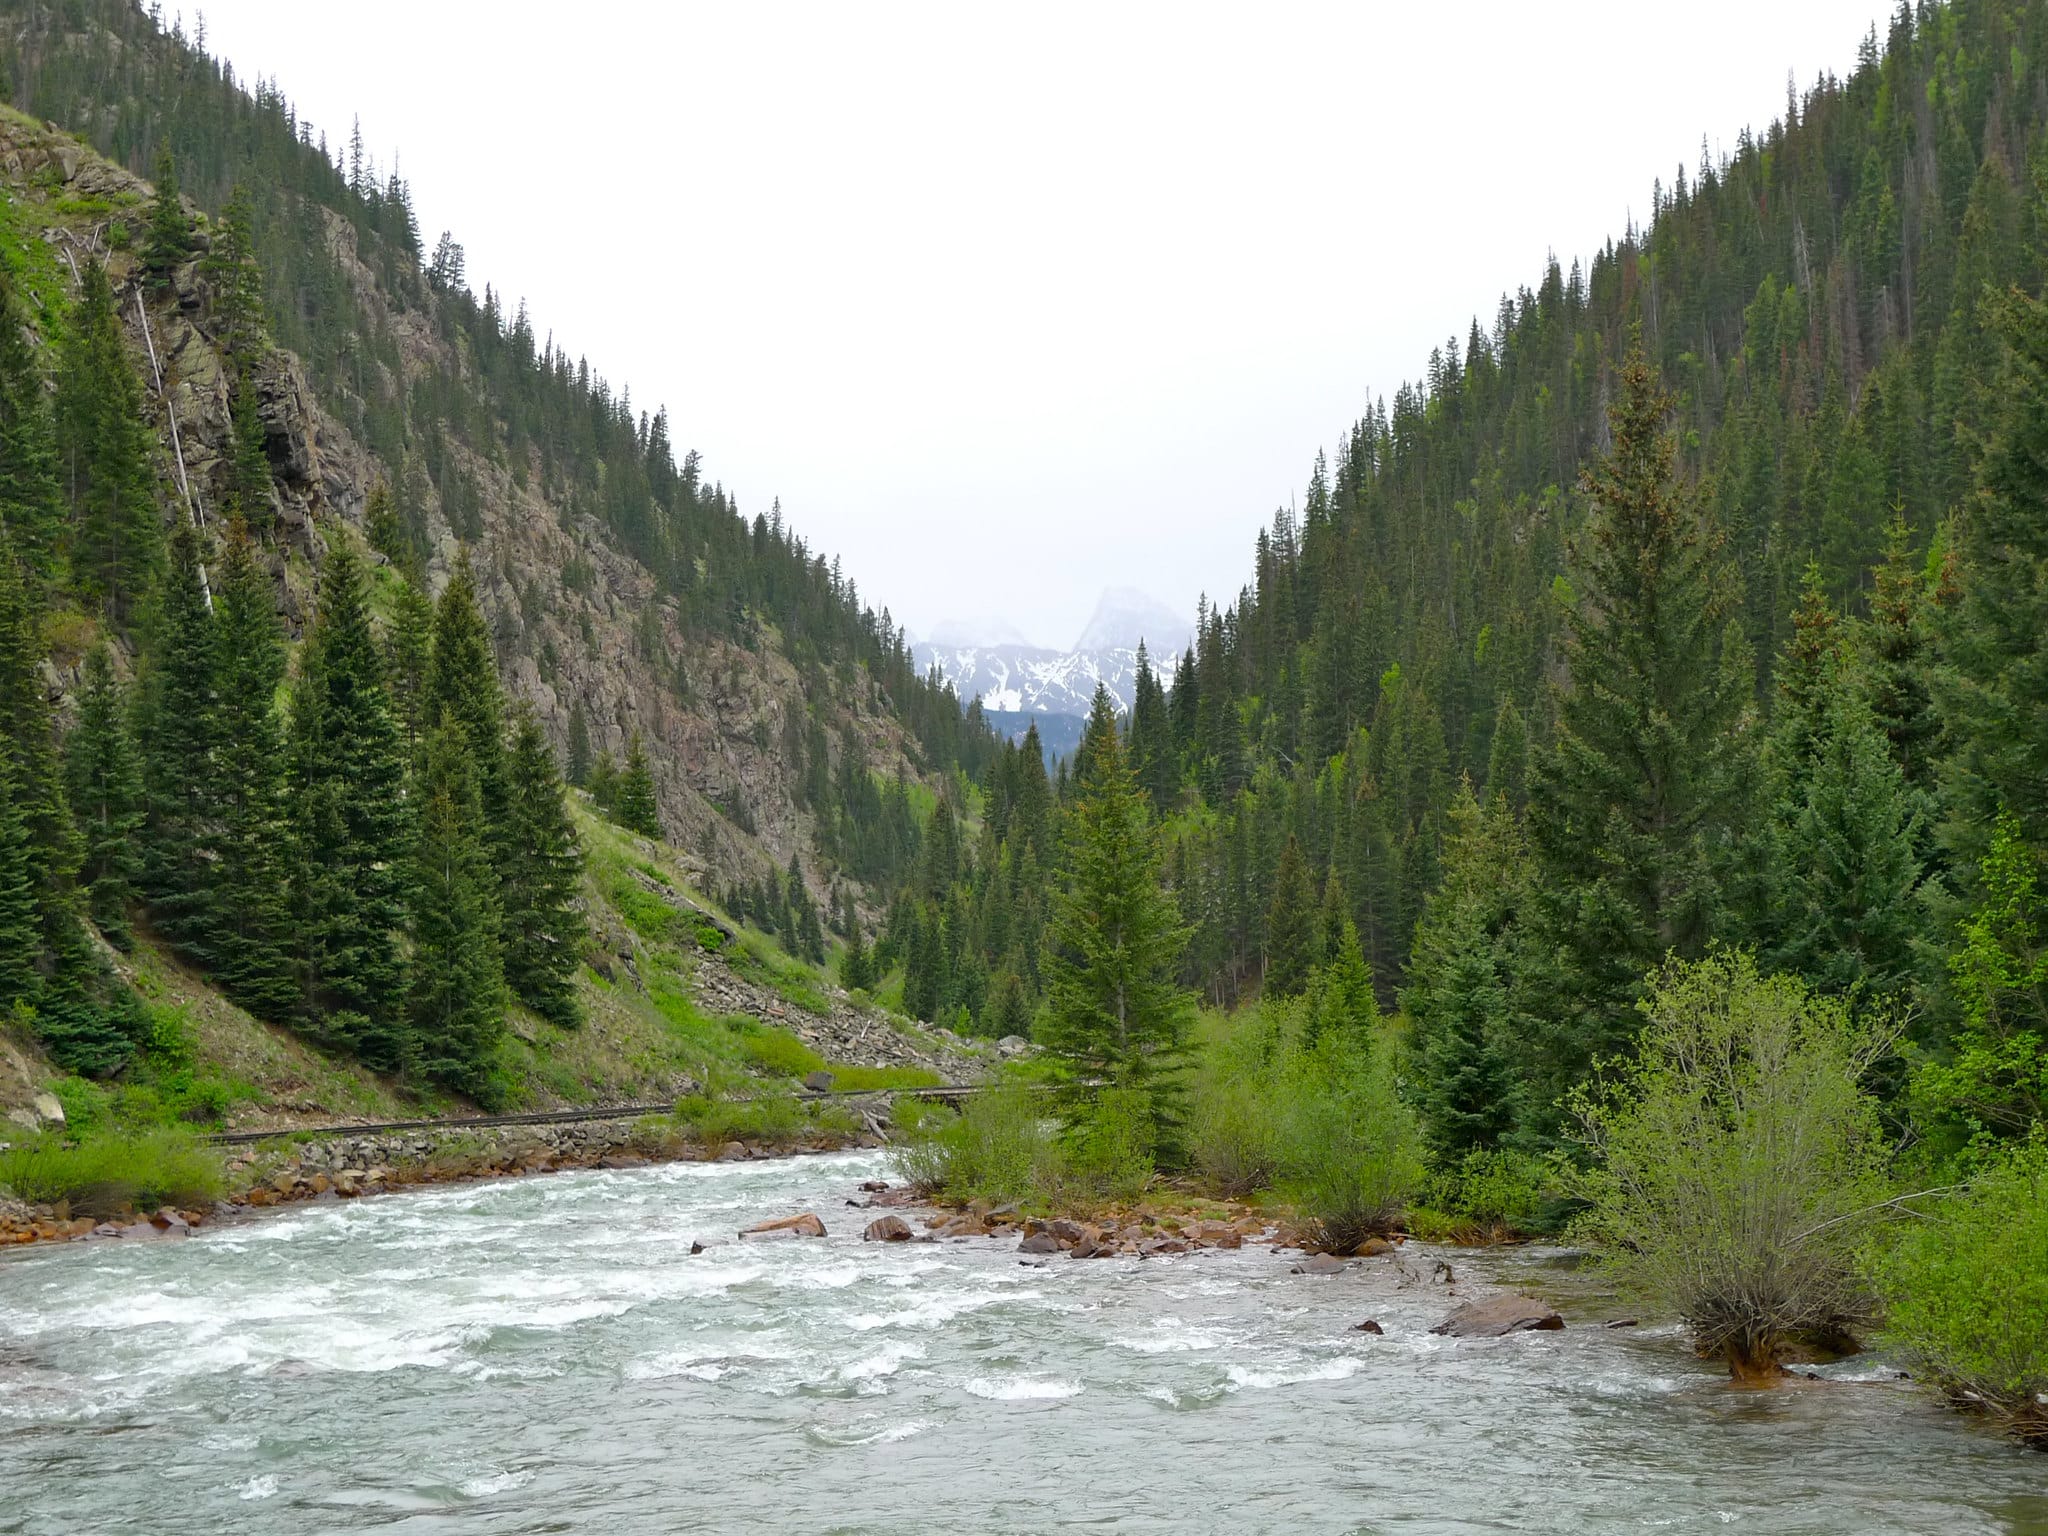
[[546, 1354]]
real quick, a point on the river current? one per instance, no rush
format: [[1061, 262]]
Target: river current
[[546, 1354]]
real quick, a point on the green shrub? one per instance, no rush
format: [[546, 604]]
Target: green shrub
[[1233, 1121], [1966, 1293], [103, 1176], [1351, 1151], [765, 1117], [1740, 1162], [999, 1148], [1491, 1191], [775, 1052], [1109, 1146]]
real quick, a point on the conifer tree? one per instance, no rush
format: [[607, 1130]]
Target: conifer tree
[[1293, 946], [856, 963], [1116, 1013], [251, 896], [169, 239], [633, 801], [604, 784], [408, 650], [248, 488], [1341, 989], [1997, 693], [542, 927], [455, 1000], [103, 454], [180, 732], [351, 826], [579, 746], [1636, 797], [1898, 656], [1507, 763], [1008, 1011], [462, 689], [20, 930], [30, 509], [235, 283], [103, 779]]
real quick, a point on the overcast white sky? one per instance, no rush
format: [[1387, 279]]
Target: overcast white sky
[[1012, 303]]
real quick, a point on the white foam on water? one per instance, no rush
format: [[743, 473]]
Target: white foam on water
[[1171, 1336], [884, 1362], [934, 1310], [258, 1488], [1329, 1370], [836, 1278], [498, 1482], [1022, 1389]]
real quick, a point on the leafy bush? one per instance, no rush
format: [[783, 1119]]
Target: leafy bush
[[1497, 1190], [1967, 1293], [999, 1148], [1109, 1147], [1739, 1161], [765, 1117], [1351, 1151], [775, 1052], [103, 1176], [1234, 1137]]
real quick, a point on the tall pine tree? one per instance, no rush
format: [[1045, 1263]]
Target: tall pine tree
[[103, 778], [455, 1001], [103, 455], [543, 928]]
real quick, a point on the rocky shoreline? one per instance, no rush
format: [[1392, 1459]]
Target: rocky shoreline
[[343, 1167]]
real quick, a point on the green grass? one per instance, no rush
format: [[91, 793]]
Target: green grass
[[103, 1176]]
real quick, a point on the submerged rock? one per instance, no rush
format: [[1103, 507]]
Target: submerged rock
[[806, 1225], [1318, 1264], [1370, 1325], [1498, 1315]]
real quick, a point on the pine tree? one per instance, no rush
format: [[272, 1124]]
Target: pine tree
[[179, 736], [251, 914], [1008, 1010], [30, 509], [856, 963], [235, 283], [579, 746], [1898, 655], [103, 455], [1636, 798], [248, 487], [103, 779], [351, 826], [1997, 692], [408, 649], [1849, 914], [20, 931], [604, 784], [1507, 763], [169, 239], [1116, 1013], [1293, 946], [462, 688], [634, 806], [455, 1000], [542, 927], [1340, 991]]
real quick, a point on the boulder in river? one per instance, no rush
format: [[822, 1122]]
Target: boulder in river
[[1039, 1242], [1318, 1264], [806, 1225], [1497, 1315], [887, 1229], [1370, 1325]]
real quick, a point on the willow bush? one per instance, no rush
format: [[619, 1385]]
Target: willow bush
[[1966, 1293], [1738, 1162]]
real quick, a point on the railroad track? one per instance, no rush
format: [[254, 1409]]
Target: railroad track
[[561, 1116]]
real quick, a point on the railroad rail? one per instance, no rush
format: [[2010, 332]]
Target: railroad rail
[[563, 1116]]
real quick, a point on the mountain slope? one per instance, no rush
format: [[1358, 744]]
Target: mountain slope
[[615, 578]]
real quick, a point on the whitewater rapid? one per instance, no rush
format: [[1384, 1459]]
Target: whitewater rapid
[[547, 1354]]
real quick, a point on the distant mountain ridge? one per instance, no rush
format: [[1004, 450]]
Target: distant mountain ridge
[[1018, 682]]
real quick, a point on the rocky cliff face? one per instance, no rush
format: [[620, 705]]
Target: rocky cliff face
[[727, 786]]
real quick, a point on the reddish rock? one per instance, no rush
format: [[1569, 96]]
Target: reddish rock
[[1370, 1325], [1374, 1248], [887, 1229], [1039, 1242], [1498, 1315], [806, 1225], [731, 1152]]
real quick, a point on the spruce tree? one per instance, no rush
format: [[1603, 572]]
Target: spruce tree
[[1507, 762], [1116, 1013], [1293, 946], [248, 487], [579, 746], [408, 648], [542, 926], [462, 689], [103, 455], [30, 507], [1997, 689], [103, 779], [633, 805], [351, 829], [168, 242], [180, 733], [603, 784], [235, 284], [20, 931], [1636, 799], [455, 1000], [856, 963], [1340, 991], [251, 896]]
